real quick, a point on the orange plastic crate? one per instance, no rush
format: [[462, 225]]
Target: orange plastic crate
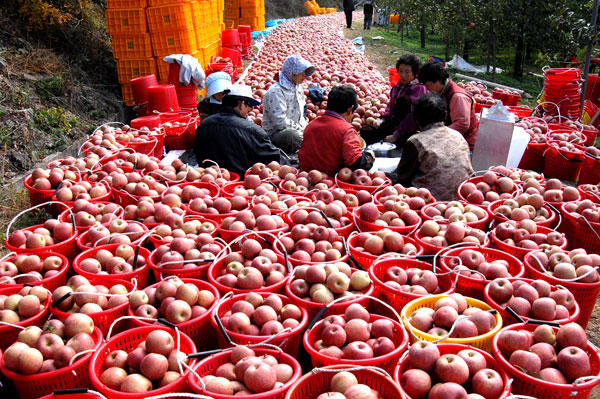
[[126, 21], [171, 17], [163, 71], [208, 51], [207, 33], [127, 93], [179, 41], [155, 3], [132, 46], [130, 69], [122, 4]]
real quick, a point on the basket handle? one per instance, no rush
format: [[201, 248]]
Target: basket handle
[[39, 206], [75, 391], [350, 369], [12, 325], [557, 212], [352, 259], [68, 294], [597, 268], [21, 275]]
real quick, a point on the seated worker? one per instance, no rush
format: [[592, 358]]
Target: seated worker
[[217, 84], [437, 157], [283, 105], [231, 140], [461, 113], [330, 142]]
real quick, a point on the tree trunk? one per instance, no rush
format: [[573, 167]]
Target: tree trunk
[[447, 49], [466, 50], [423, 27], [489, 45], [494, 57], [518, 70], [528, 50]]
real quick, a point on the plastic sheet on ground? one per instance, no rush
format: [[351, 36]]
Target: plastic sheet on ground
[[459, 63]]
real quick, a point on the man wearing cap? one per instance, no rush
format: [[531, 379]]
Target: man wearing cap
[[231, 140], [283, 105], [216, 85]]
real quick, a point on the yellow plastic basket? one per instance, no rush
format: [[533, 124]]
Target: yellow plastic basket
[[483, 342]]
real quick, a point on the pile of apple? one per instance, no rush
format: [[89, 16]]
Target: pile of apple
[[41, 350], [552, 190], [433, 375], [306, 181], [412, 280], [219, 206], [176, 196], [593, 151], [322, 283], [392, 214], [129, 137], [28, 302], [172, 299], [586, 209], [81, 190], [517, 174], [572, 136], [445, 234], [567, 265], [36, 268], [188, 228], [277, 203], [491, 188], [384, 241], [177, 171], [416, 198], [183, 252], [105, 172], [102, 139], [251, 268], [49, 179], [258, 218], [349, 199], [485, 97], [566, 146], [136, 184], [153, 364], [474, 87], [251, 186], [535, 300], [524, 234], [320, 244], [71, 163], [558, 357], [344, 385], [140, 161], [352, 336], [83, 296], [478, 267], [88, 213], [593, 190], [255, 315], [52, 232], [536, 128], [335, 212], [247, 374], [439, 320], [523, 207], [362, 177], [271, 171], [125, 232], [107, 262], [455, 211]]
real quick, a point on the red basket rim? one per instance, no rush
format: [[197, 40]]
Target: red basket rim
[[110, 247], [501, 254], [490, 301], [509, 368], [341, 184], [522, 251], [43, 255], [27, 184], [49, 248]]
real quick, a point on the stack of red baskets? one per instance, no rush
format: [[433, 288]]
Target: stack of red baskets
[[186, 95], [562, 88], [232, 46]]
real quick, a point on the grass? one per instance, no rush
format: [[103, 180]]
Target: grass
[[12, 201], [386, 51]]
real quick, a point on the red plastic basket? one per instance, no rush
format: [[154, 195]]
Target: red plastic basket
[[533, 157], [357, 187], [580, 232], [8, 334], [67, 248], [594, 197], [560, 164], [508, 319], [215, 190], [229, 235], [397, 299], [314, 383], [313, 308], [278, 211], [66, 217], [74, 376], [366, 259], [432, 249], [297, 262], [387, 362], [140, 273], [200, 272], [157, 241], [343, 231], [479, 224], [102, 320], [217, 217], [590, 170], [478, 179], [214, 271], [51, 283], [209, 365], [454, 349], [585, 293], [37, 196], [590, 133], [364, 226], [524, 384], [60, 394], [473, 288], [198, 329], [227, 190], [147, 147], [289, 342], [128, 341], [83, 243], [500, 218], [519, 252]]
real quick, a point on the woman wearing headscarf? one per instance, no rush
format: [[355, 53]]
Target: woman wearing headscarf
[[217, 85], [283, 105]]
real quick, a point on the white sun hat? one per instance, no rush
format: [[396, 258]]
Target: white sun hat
[[217, 82]]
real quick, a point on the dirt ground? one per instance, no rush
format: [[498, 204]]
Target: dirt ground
[[383, 56]]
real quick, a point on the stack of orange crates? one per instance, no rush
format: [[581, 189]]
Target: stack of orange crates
[[145, 31], [245, 12]]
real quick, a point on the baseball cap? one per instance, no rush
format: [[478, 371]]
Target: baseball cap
[[243, 91]]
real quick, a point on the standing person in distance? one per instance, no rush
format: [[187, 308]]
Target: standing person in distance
[[348, 8], [461, 112], [231, 140], [368, 11], [217, 85]]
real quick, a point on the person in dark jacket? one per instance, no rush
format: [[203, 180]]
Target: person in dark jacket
[[368, 11], [217, 84], [348, 8], [231, 140]]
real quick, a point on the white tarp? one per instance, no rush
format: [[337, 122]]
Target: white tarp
[[459, 63]]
